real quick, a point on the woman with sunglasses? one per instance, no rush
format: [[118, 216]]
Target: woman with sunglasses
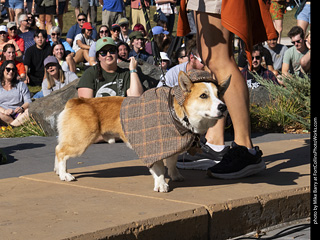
[[103, 32], [106, 78], [9, 53], [14, 96]]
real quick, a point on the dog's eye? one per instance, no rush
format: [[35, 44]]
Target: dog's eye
[[204, 96]]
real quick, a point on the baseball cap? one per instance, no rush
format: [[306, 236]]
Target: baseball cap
[[104, 42], [115, 26], [87, 25], [3, 28], [158, 30], [136, 35], [50, 59], [123, 21], [11, 24]]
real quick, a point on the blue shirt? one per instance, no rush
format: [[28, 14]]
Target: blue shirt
[[75, 30], [113, 5], [142, 55]]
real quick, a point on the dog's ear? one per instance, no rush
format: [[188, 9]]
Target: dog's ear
[[224, 86], [184, 82]]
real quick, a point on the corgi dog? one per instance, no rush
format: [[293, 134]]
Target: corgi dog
[[83, 120]]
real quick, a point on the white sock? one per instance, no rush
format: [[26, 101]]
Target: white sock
[[217, 148], [252, 151]]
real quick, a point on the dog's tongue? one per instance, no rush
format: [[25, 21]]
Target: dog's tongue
[[196, 75]]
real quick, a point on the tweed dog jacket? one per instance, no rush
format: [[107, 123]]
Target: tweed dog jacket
[[151, 126]]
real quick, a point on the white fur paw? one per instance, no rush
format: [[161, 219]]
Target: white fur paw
[[66, 177], [111, 140], [161, 187]]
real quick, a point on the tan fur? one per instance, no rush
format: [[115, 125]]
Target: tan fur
[[84, 120]]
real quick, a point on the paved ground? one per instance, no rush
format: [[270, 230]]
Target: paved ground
[[113, 195]]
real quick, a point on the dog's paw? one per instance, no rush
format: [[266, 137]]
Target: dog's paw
[[162, 187], [67, 177], [111, 140]]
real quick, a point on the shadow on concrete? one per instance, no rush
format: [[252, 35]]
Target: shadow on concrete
[[19, 147]]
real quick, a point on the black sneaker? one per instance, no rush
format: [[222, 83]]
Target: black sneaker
[[201, 161], [238, 163]]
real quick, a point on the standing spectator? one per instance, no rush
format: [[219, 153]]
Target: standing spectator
[[9, 53], [103, 32], [303, 15], [5, 40], [82, 43], [125, 31], [13, 35], [137, 49], [92, 12], [106, 78], [66, 61], [277, 52], [34, 58], [277, 10], [25, 31], [168, 7], [46, 10], [62, 9], [76, 29], [84, 4], [15, 8], [56, 78], [137, 15], [292, 57], [14, 96], [111, 11], [257, 68]]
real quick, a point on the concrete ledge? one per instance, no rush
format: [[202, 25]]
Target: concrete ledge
[[116, 201]]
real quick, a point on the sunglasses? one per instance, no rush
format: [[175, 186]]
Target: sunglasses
[[55, 34], [9, 69], [81, 19], [3, 33], [196, 57], [104, 53], [294, 42], [256, 57], [13, 29], [101, 31]]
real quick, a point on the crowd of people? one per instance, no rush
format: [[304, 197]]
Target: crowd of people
[[41, 57]]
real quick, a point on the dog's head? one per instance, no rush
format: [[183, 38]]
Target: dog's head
[[202, 105]]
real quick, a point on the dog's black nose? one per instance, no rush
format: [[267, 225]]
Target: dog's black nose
[[222, 107]]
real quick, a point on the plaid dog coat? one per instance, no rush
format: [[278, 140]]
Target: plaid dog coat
[[151, 129]]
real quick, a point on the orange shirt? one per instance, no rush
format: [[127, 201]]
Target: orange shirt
[[20, 67]]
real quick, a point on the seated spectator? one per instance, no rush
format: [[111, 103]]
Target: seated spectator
[[125, 31], [5, 40], [103, 32], [32, 21], [56, 77], [82, 43], [14, 96], [9, 53], [115, 32], [77, 28], [34, 57], [137, 46], [140, 27], [194, 62], [25, 31], [55, 37], [181, 55], [292, 57], [161, 38], [277, 52], [106, 78], [13, 35], [123, 52], [66, 61], [165, 61], [257, 68]]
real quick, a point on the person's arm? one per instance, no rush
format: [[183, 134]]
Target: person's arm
[[285, 69], [82, 45], [305, 62], [85, 92], [136, 88]]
